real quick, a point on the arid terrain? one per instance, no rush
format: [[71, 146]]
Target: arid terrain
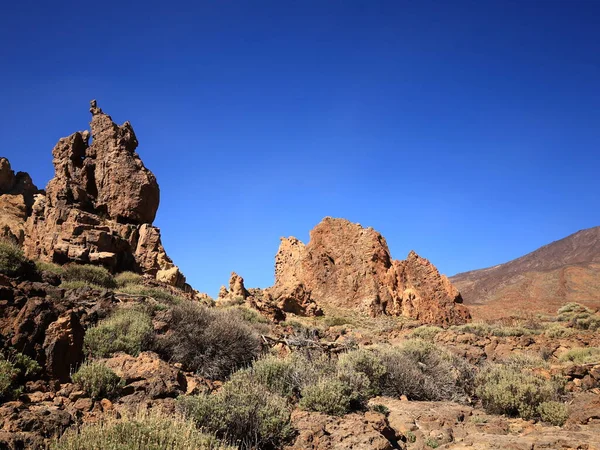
[[104, 345], [564, 271]]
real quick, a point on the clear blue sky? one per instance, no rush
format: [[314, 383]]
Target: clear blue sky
[[467, 131]]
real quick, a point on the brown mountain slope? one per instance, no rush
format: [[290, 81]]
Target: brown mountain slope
[[567, 270]]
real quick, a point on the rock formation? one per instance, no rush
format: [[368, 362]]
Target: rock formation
[[16, 199], [347, 266], [100, 205]]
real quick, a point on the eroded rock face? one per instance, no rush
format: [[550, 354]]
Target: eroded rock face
[[347, 266], [16, 199], [100, 205]]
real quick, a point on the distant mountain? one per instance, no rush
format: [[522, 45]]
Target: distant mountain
[[564, 271]]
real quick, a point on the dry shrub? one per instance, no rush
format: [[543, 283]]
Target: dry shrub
[[244, 412], [212, 342], [144, 431]]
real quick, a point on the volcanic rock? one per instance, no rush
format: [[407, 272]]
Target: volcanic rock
[[100, 205], [16, 199], [347, 266]]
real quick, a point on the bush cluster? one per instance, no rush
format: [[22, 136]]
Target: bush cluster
[[426, 332], [144, 431], [15, 369], [127, 330], [158, 294], [97, 380], [8, 377], [88, 275], [127, 278], [213, 343], [244, 412], [512, 388], [581, 355]]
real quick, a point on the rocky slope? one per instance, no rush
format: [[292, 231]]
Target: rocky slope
[[564, 271], [98, 208], [347, 266]]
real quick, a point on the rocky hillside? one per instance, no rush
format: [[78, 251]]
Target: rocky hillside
[[564, 271], [347, 266]]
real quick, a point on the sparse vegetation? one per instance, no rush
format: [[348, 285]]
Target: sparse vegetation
[[213, 343], [127, 330], [557, 331], [555, 413], [97, 380], [89, 275], [579, 317], [12, 261], [144, 431], [243, 412]]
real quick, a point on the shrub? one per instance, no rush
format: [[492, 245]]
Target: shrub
[[425, 332], [584, 355], [510, 331], [127, 330], [144, 431], [381, 409], [476, 328], [8, 375], [329, 396], [55, 269], [12, 261], [579, 317], [126, 278], [423, 371], [555, 413], [88, 274], [514, 391], [213, 343], [97, 380], [26, 366], [365, 362], [557, 331], [520, 361], [243, 412]]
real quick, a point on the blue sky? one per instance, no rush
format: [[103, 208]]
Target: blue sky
[[467, 131]]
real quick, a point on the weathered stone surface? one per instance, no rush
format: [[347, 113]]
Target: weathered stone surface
[[16, 199], [347, 266], [99, 206], [354, 431], [236, 289]]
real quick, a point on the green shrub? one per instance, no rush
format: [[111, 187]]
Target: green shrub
[[127, 330], [365, 362], [249, 315], [432, 443], [425, 332], [97, 380], [476, 328], [145, 431], [579, 317], [423, 371], [515, 391], [510, 331], [555, 413], [8, 376], [557, 331], [329, 396], [243, 412], [55, 269], [26, 366], [91, 275], [213, 343], [521, 361], [12, 261], [126, 278], [381, 409], [585, 355]]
